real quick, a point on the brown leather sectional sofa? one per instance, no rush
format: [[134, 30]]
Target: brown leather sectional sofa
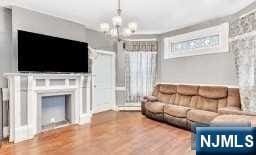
[[182, 105]]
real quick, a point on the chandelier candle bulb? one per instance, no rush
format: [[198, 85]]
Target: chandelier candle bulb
[[127, 32], [117, 21], [104, 27], [133, 26], [113, 32]]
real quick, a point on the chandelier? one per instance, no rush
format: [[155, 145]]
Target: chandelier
[[116, 31]]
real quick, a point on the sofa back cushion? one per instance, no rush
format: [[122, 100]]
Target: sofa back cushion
[[207, 104], [167, 93], [168, 89], [209, 98], [182, 100], [233, 99], [213, 92], [187, 90], [164, 97], [185, 94]]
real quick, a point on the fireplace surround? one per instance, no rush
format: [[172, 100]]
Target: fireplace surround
[[26, 91]]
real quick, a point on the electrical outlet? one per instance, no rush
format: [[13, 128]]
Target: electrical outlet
[[53, 120]]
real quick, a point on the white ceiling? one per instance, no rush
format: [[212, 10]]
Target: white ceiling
[[153, 16]]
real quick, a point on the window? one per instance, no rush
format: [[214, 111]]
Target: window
[[206, 41]]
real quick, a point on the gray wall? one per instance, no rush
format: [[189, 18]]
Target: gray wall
[[5, 44], [203, 69], [98, 40], [5, 53]]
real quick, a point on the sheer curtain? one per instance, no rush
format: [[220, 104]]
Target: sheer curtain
[[140, 72], [245, 51], [1, 117], [243, 46]]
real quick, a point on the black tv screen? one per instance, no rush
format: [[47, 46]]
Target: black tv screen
[[42, 53]]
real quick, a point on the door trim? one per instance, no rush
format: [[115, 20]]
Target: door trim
[[113, 105]]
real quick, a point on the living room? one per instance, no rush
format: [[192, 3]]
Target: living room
[[127, 77]]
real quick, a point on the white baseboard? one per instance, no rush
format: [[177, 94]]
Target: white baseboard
[[6, 131], [115, 108], [85, 118], [23, 133], [103, 108], [129, 108]]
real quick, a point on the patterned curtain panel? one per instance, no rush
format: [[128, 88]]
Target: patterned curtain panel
[[140, 74], [245, 52], [243, 45], [135, 46], [1, 116]]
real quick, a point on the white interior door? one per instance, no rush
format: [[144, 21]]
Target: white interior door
[[103, 82]]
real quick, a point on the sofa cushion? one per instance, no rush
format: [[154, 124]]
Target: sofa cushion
[[237, 119], [156, 90], [172, 98], [213, 92], [155, 107], [222, 103], [168, 89], [187, 90], [177, 111], [194, 101], [201, 116], [233, 98], [182, 100], [150, 98], [235, 111], [164, 97], [207, 104]]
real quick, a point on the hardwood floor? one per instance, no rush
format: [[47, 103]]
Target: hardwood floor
[[110, 133]]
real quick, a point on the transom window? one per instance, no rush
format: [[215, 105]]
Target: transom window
[[206, 41]]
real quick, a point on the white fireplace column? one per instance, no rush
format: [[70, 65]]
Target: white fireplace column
[[38, 85]]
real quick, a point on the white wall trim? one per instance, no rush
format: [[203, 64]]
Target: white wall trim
[[247, 13], [150, 39], [6, 131], [106, 52], [199, 84], [85, 118], [120, 88], [23, 133], [222, 30], [103, 108], [129, 108]]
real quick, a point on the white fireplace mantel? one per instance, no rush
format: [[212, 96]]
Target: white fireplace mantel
[[37, 85]]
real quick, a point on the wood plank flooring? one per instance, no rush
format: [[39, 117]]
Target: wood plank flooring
[[117, 133]]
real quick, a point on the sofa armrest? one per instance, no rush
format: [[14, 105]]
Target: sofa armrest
[[150, 98], [235, 111]]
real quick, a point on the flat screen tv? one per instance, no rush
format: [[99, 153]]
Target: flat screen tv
[[42, 53]]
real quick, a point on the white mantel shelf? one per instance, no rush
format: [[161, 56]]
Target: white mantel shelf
[[58, 75], [38, 85]]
